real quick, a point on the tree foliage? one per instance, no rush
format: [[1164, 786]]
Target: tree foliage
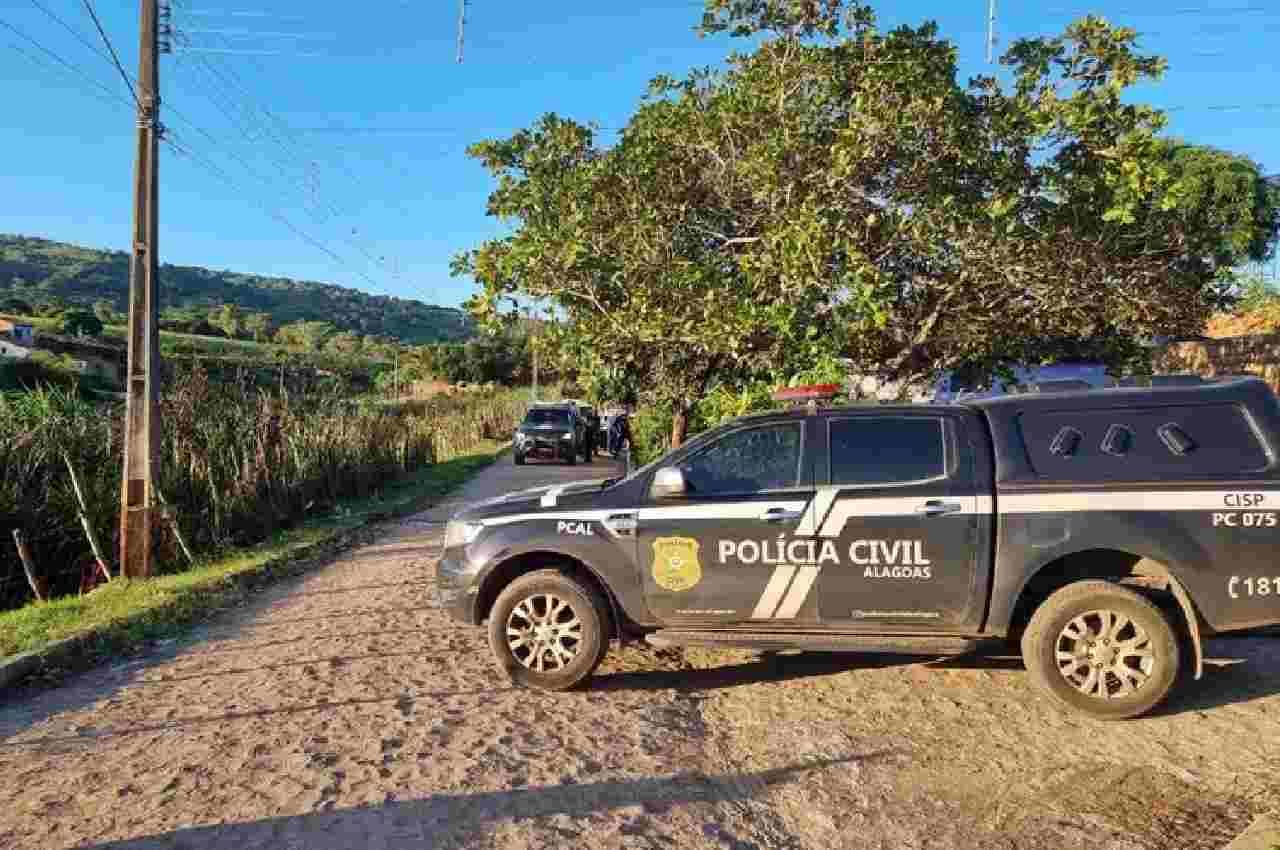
[[81, 323], [837, 190], [56, 273]]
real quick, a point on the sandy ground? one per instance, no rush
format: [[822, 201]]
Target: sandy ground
[[344, 710]]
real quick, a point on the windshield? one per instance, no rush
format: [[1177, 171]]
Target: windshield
[[692, 444], [547, 416]]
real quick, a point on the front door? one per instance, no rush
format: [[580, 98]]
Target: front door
[[901, 509], [718, 555]]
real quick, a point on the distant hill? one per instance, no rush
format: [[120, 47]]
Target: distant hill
[[38, 269]]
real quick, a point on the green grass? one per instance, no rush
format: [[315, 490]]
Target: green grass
[[126, 612]]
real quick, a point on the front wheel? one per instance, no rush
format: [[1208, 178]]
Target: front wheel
[[548, 631], [571, 458], [1102, 650], [518, 458]]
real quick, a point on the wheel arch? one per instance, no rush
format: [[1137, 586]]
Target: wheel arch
[[1120, 566], [510, 569]]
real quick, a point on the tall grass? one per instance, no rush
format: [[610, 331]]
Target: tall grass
[[237, 463]]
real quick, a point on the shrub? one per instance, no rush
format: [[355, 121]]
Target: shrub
[[236, 461]]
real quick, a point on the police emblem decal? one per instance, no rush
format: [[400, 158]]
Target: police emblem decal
[[675, 563]]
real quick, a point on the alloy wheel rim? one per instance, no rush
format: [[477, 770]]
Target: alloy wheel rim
[[544, 633], [1105, 654]]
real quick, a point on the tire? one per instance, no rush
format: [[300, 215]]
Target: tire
[[518, 458], [1097, 681], [571, 458], [531, 596]]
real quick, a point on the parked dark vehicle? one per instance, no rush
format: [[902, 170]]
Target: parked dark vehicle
[[1102, 532], [549, 431]]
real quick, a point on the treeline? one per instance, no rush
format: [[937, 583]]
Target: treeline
[[51, 277]]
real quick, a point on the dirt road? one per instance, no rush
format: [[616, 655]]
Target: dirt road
[[343, 710]]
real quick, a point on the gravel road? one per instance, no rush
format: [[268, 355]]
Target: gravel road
[[344, 710]]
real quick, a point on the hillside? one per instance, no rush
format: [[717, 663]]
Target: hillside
[[37, 270]]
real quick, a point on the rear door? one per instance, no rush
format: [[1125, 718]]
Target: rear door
[[718, 555], [899, 523]]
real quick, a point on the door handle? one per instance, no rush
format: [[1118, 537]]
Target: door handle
[[780, 515], [935, 507], [622, 525]]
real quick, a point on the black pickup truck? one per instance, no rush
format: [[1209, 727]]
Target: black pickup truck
[[1104, 531]]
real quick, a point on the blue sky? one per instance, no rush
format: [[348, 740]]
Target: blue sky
[[395, 205]]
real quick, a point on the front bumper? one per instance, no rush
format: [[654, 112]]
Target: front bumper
[[457, 587]]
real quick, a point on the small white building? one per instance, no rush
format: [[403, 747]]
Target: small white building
[[16, 339], [12, 350]]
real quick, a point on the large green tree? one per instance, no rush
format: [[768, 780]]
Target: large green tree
[[838, 190]]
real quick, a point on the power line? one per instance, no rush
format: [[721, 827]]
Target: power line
[[109, 98], [227, 87], [231, 87], [88, 7], [80, 37], [260, 34], [217, 171], [63, 62], [239, 52]]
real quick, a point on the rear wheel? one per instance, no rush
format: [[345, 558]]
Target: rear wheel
[[548, 631], [1102, 650]]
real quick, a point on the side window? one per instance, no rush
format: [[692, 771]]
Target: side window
[[747, 461], [886, 450], [1143, 443]]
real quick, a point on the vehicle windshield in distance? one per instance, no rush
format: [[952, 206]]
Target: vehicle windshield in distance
[[547, 416]]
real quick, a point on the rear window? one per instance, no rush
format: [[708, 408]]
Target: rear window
[[1143, 443], [886, 450]]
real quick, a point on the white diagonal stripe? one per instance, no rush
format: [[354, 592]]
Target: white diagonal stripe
[[817, 510], [773, 592], [798, 593], [552, 496]]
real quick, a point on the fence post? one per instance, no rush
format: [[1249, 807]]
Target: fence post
[[172, 516], [38, 586], [84, 520]]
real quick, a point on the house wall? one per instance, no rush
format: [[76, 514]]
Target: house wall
[[1253, 355], [11, 350]]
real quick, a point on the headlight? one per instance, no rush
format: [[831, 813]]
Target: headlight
[[566, 436], [461, 533]]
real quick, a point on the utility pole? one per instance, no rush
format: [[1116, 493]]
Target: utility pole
[[141, 435], [991, 28]]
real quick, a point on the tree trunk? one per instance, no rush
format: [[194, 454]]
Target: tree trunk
[[679, 424]]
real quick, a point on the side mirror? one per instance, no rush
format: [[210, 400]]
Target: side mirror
[[668, 482]]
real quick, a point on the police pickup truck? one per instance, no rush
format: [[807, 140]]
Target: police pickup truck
[[1105, 532]]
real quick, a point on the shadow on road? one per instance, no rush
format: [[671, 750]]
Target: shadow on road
[[88, 735], [455, 820], [1236, 670], [769, 668]]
